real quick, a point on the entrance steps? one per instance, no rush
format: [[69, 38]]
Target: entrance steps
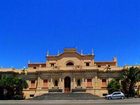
[[66, 96]]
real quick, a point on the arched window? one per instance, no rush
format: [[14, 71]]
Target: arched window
[[45, 83], [56, 83], [78, 82], [70, 64]]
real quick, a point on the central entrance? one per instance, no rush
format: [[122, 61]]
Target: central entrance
[[67, 84]]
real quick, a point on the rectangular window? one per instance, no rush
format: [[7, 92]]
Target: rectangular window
[[104, 85], [56, 83], [87, 64], [45, 83], [78, 82], [31, 95], [89, 83], [52, 64], [99, 65], [34, 67], [32, 83]]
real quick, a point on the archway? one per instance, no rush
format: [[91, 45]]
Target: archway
[[67, 84]]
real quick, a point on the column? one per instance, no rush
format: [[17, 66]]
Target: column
[[74, 83], [39, 83], [51, 83], [83, 83], [96, 82], [60, 83]]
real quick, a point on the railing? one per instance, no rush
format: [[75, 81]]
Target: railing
[[55, 89], [68, 68], [77, 67], [79, 90]]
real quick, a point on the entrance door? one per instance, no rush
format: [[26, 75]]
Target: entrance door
[[67, 84]]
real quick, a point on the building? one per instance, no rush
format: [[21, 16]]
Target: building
[[67, 72]]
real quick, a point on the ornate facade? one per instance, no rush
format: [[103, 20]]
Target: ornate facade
[[68, 72]]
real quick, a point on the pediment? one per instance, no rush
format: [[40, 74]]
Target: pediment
[[70, 54]]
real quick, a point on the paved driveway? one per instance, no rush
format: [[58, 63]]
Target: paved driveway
[[135, 101]]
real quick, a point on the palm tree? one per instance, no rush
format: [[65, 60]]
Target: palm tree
[[130, 77]]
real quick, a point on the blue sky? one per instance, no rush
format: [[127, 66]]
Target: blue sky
[[28, 28]]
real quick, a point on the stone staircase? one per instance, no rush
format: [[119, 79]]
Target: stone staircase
[[66, 96]]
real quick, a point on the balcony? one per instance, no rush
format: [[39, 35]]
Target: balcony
[[79, 89], [55, 89]]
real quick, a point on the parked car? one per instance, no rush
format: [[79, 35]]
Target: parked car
[[115, 95]]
